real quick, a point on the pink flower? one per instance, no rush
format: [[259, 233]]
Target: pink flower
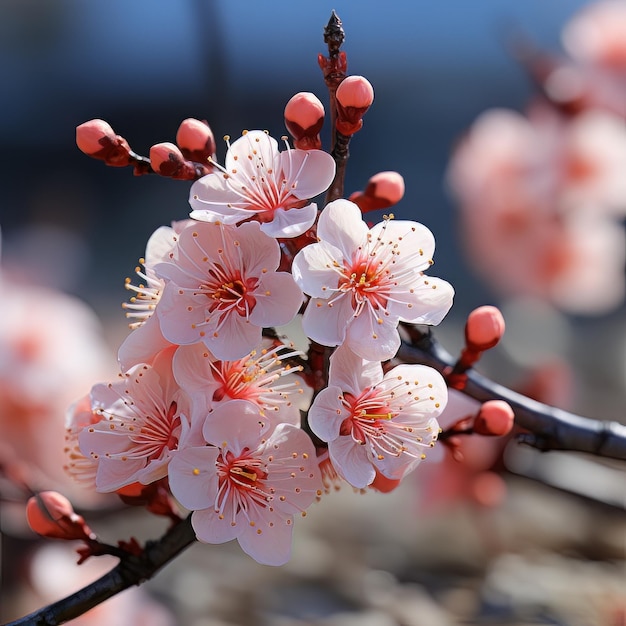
[[537, 197], [362, 282], [248, 483], [143, 418], [262, 183], [146, 340], [222, 289], [374, 422], [262, 377], [81, 468]]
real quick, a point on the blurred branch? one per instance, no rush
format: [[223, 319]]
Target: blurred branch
[[131, 570], [548, 428]]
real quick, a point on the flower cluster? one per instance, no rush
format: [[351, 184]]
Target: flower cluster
[[542, 194], [210, 406]]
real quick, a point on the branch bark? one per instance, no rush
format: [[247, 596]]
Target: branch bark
[[131, 570], [548, 428]]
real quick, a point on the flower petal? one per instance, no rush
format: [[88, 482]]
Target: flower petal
[[342, 225], [350, 460]]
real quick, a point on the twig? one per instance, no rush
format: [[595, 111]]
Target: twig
[[131, 570], [548, 428]]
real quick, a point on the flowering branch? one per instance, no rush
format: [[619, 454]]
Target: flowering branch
[[549, 428], [131, 570]]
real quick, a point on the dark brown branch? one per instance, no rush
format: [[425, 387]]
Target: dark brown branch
[[131, 570], [548, 428]]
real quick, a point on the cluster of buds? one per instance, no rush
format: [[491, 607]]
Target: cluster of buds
[[188, 159]]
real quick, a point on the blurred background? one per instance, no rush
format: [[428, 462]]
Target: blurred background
[[533, 554]]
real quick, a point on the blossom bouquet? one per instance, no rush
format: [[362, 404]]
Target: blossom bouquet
[[280, 347]]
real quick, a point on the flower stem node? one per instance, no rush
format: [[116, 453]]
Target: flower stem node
[[167, 160], [195, 140], [495, 419], [50, 514], [304, 118], [484, 328], [97, 139], [355, 95], [383, 191]]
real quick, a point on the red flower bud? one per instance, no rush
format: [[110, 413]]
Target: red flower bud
[[383, 191], [195, 140], [484, 328], [494, 419], [354, 95], [97, 139], [304, 118], [167, 160], [50, 514]]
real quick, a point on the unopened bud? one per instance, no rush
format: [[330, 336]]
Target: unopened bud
[[97, 139], [354, 95], [383, 191], [50, 514], [304, 118], [166, 159], [484, 328], [195, 140], [494, 419]]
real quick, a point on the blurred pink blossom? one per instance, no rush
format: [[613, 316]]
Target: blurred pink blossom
[[539, 200]]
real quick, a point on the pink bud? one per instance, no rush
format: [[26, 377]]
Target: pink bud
[[304, 118], [484, 328], [97, 139], [355, 91], [383, 191], [90, 134], [354, 96], [494, 419], [165, 156], [195, 139], [50, 514], [167, 160]]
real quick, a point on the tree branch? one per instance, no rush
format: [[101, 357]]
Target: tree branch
[[549, 428], [131, 570]]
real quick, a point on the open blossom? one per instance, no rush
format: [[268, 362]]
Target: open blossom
[[146, 340], [363, 281], [260, 182], [144, 416], [377, 423], [262, 377], [248, 483], [222, 289]]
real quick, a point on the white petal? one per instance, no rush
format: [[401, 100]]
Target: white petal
[[327, 324], [351, 462], [312, 170], [314, 269], [327, 413], [209, 528], [341, 224], [432, 300], [372, 340], [278, 300], [268, 544], [290, 223], [351, 373]]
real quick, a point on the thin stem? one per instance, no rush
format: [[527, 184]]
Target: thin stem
[[131, 570], [548, 428]]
